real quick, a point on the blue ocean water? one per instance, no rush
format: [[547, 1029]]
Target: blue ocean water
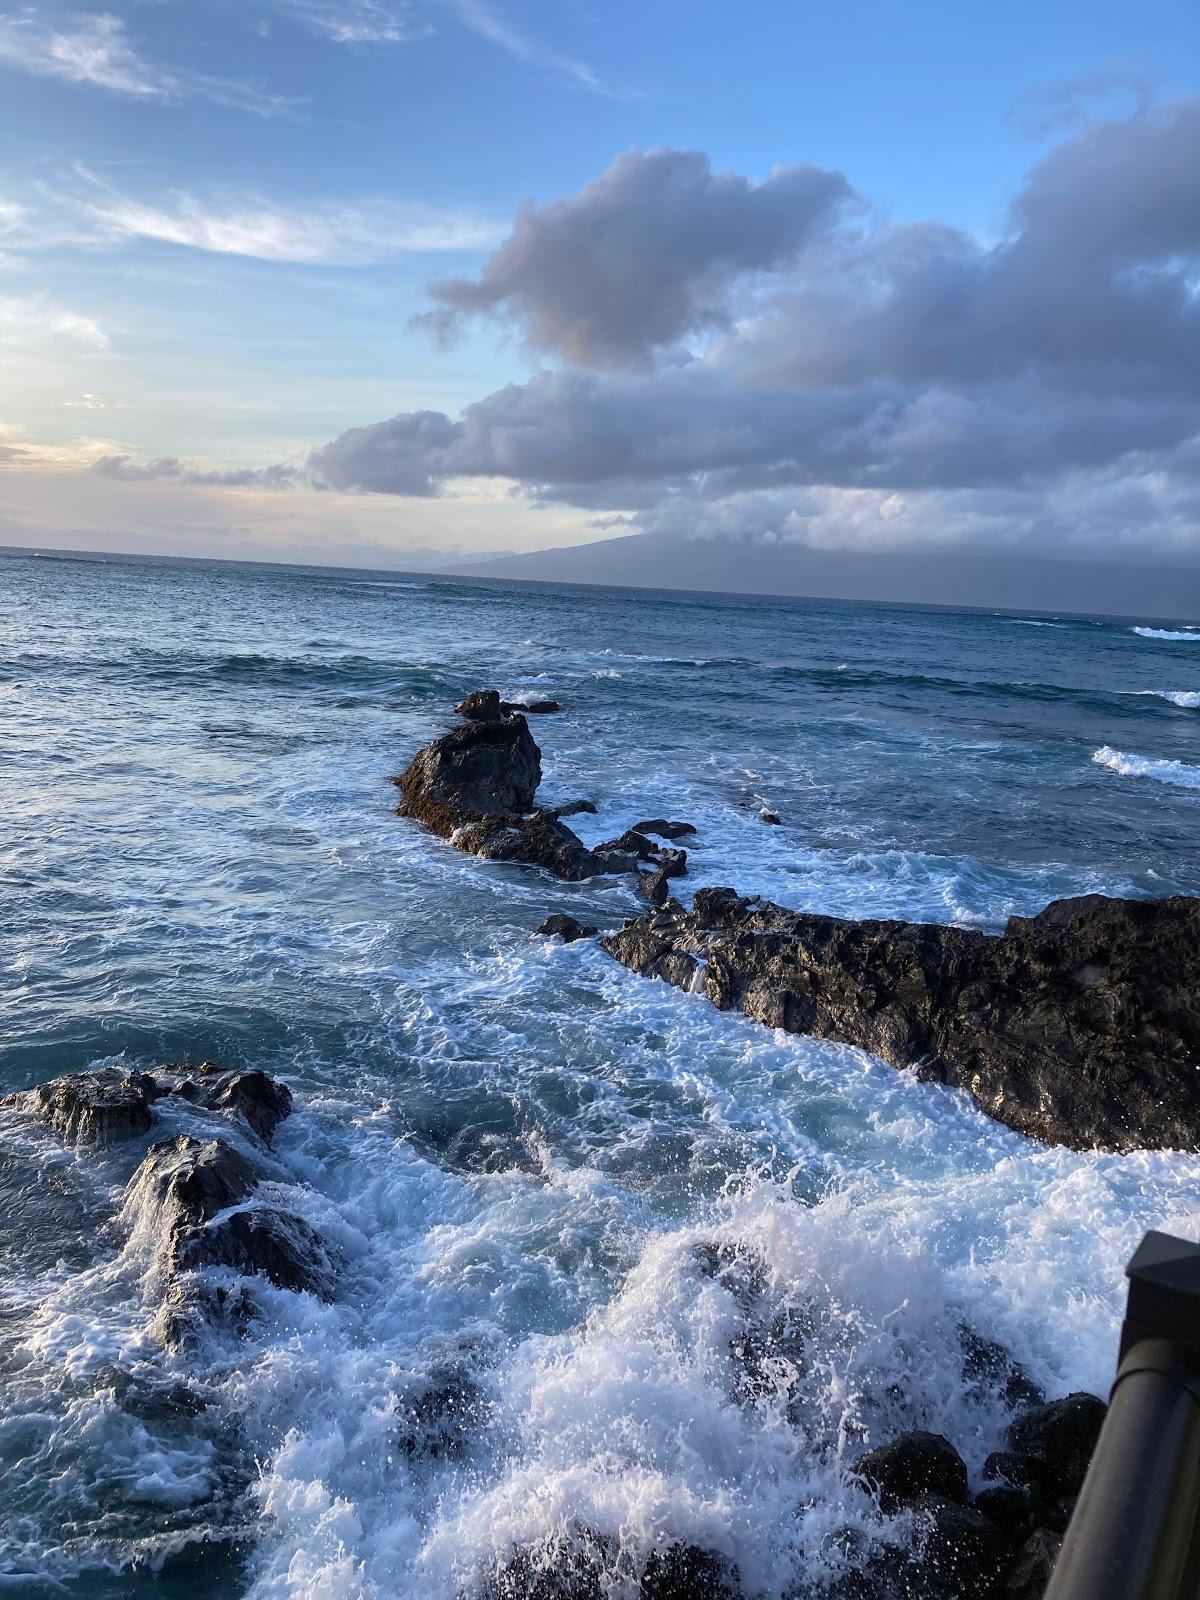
[[515, 1146]]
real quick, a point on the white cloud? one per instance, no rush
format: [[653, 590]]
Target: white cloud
[[94, 49], [320, 234], [482, 18], [359, 21], [31, 321]]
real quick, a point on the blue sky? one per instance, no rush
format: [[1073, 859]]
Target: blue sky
[[216, 220]]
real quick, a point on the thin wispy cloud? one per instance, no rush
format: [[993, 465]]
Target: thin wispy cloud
[[392, 22], [95, 50], [360, 21], [489, 23], [321, 234]]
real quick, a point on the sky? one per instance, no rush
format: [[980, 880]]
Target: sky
[[406, 282]]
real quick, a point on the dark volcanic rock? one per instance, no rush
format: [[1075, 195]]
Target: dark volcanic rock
[[565, 927], [771, 817], [488, 768], [476, 786], [1029, 1574], [483, 705], [196, 1191], [961, 1553], [632, 843], [664, 829], [913, 1466], [1063, 1434], [259, 1099], [99, 1107], [573, 808], [1080, 1026], [688, 1572], [535, 708]]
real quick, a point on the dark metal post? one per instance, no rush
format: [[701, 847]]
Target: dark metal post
[[1135, 1534]]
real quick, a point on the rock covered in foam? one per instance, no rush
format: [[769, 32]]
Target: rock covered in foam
[[1079, 1026], [203, 1204]]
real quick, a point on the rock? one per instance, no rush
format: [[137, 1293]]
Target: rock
[[482, 768], [664, 829], [439, 1419], [912, 1466], [563, 1570], [537, 841], [688, 1572], [632, 843], [1010, 1509], [100, 1107], [476, 786], [539, 708], [1029, 1574], [653, 886], [483, 706], [1028, 1473], [771, 817], [261, 1100], [565, 927], [191, 1187], [987, 1364], [1062, 1434], [961, 1553], [574, 808], [1080, 1026]]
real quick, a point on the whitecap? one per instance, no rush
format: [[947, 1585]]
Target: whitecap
[[1168, 633], [1188, 698], [1163, 771]]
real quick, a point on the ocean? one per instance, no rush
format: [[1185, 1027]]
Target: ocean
[[521, 1153]]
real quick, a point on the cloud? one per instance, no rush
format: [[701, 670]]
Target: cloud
[[34, 320], [393, 22], [359, 21], [643, 256], [323, 234], [94, 49], [485, 20], [1044, 383], [127, 469]]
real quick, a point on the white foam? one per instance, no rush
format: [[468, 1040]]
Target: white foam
[[1177, 773], [1168, 633], [1187, 698]]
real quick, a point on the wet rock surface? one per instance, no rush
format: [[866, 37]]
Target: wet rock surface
[[1079, 1026], [912, 1466], [477, 784], [101, 1107], [565, 927]]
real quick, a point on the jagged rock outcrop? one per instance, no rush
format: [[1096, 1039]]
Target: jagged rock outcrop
[[664, 828], [101, 1107], [108, 1105], [203, 1203], [1078, 1026]]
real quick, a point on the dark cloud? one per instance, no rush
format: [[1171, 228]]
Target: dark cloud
[[1047, 381], [643, 256]]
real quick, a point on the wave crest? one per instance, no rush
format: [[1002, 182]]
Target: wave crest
[[1163, 771]]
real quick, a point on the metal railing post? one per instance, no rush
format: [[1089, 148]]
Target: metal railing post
[[1135, 1532]]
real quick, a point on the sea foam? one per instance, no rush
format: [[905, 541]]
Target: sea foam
[[1162, 771]]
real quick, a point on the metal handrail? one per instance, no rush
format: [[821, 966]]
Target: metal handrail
[[1135, 1532]]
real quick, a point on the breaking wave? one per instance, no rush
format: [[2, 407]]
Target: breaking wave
[[1163, 771]]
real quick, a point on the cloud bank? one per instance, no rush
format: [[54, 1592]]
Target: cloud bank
[[725, 351]]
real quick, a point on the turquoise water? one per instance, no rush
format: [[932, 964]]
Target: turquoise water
[[515, 1146]]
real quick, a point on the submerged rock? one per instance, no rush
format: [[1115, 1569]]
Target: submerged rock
[[1079, 1026], [101, 1107], [565, 927]]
